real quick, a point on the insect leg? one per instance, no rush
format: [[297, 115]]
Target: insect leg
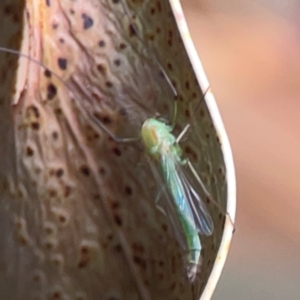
[[189, 164], [187, 127], [183, 132]]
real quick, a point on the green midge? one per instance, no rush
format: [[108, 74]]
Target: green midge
[[164, 148]]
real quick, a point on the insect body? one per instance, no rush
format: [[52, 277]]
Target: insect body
[[193, 215]]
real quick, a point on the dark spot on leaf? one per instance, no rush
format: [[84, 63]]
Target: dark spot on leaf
[[62, 219], [85, 170], [36, 278], [118, 220], [62, 63], [52, 193], [48, 73], [164, 227], [170, 66], [102, 171], [117, 62], [51, 91], [16, 18], [131, 30], [102, 69], [118, 248], [106, 120], [213, 180], [67, 191], [151, 37], [122, 46], [58, 111], [117, 151], [97, 197], [23, 240], [59, 173], [128, 190], [140, 261], [49, 245], [123, 112], [55, 135], [108, 84], [83, 263], [84, 250], [101, 43], [110, 237], [114, 205], [138, 248], [158, 5], [87, 21], [29, 151], [187, 85], [35, 125], [173, 286], [34, 110], [8, 9]]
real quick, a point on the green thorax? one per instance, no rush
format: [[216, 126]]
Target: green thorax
[[158, 139]]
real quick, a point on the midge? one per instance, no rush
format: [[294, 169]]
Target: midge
[[193, 215], [163, 147]]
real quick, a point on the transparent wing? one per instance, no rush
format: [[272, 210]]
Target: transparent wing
[[166, 203], [191, 200]]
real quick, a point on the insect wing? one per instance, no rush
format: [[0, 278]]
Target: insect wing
[[166, 202], [201, 215]]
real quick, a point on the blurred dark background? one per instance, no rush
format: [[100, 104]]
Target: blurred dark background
[[250, 51]]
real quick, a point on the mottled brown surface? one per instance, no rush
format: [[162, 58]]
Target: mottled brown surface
[[77, 208], [250, 52]]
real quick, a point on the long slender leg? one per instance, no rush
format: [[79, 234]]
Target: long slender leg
[[183, 132], [207, 193], [187, 127]]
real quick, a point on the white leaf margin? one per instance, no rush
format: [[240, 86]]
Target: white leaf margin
[[225, 146]]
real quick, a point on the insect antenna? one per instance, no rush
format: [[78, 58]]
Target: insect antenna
[[162, 70], [89, 115]]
